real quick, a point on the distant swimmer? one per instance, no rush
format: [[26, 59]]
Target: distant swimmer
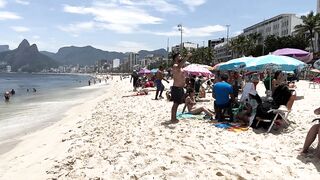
[[13, 92], [27, 90], [7, 96], [34, 90]]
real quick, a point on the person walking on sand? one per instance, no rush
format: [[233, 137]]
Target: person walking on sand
[[134, 77], [179, 80], [158, 82]]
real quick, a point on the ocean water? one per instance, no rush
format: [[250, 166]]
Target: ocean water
[[27, 111]]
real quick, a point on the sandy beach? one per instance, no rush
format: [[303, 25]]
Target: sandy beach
[[111, 137]]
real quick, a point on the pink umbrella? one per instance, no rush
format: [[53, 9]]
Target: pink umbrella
[[295, 53], [144, 71], [194, 69]]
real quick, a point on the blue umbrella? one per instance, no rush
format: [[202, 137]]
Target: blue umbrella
[[235, 63], [284, 63], [153, 71]]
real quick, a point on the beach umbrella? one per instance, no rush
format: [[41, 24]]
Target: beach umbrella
[[295, 53], [144, 71], [215, 67], [284, 63], [316, 64], [198, 70], [153, 71], [315, 70], [235, 64]]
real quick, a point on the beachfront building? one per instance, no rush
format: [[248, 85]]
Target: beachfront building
[[133, 59], [281, 25], [317, 47], [213, 42], [115, 63], [222, 52], [186, 45], [8, 68]]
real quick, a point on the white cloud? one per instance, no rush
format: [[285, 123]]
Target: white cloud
[[35, 37], [192, 4], [121, 17], [193, 32], [5, 15], [22, 2], [158, 5], [78, 27], [126, 46], [20, 28], [2, 3]]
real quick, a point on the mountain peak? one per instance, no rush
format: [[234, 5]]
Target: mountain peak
[[34, 48], [24, 44]]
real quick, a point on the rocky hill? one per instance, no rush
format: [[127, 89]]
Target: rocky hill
[[27, 58]]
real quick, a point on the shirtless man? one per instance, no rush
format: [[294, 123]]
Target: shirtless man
[[158, 82], [179, 81]]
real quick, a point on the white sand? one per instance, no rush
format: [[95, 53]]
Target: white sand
[[122, 138]]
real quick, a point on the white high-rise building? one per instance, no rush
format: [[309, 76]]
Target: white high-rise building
[[133, 60], [115, 63], [318, 6], [281, 25]]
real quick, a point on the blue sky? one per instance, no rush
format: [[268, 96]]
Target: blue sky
[[131, 25]]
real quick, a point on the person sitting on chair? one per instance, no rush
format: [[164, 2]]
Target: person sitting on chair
[[312, 134], [190, 103], [280, 90], [223, 93]]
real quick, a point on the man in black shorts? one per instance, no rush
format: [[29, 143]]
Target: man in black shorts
[[179, 80]]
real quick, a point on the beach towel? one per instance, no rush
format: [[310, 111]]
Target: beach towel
[[231, 127], [189, 116]]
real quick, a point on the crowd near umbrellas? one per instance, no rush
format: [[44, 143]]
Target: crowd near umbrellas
[[144, 71], [294, 53], [285, 63], [197, 70], [235, 64]]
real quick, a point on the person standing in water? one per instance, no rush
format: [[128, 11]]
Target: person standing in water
[[179, 80], [158, 82], [6, 96]]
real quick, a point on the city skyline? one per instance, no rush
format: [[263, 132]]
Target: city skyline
[[132, 25]]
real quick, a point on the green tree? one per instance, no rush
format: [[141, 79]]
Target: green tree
[[272, 43], [311, 24]]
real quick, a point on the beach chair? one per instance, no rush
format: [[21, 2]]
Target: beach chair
[[314, 82], [282, 111]]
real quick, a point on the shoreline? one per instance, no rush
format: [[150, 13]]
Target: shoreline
[[29, 142]]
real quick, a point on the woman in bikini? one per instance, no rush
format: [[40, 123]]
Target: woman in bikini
[[190, 103]]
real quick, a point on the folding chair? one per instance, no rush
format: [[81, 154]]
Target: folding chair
[[283, 113], [314, 82]]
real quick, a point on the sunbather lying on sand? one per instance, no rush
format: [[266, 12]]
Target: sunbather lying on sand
[[312, 134], [190, 103], [139, 93]]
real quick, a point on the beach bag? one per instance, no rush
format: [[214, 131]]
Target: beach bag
[[281, 95], [262, 112]]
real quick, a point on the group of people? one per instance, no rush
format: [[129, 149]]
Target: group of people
[[8, 94]]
